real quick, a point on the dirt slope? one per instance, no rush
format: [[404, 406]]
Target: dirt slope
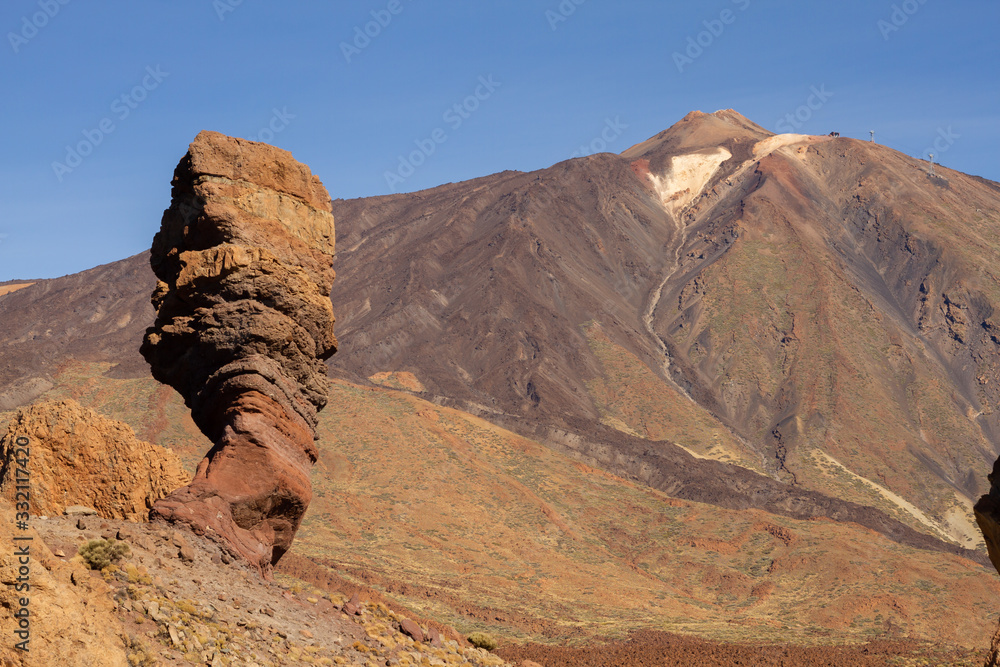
[[476, 527]]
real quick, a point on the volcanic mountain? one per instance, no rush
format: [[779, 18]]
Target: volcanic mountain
[[786, 327], [819, 310]]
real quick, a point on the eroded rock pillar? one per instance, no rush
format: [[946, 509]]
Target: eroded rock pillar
[[244, 321]]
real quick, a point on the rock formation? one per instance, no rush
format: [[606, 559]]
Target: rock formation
[[993, 657], [71, 621], [244, 322], [988, 516], [79, 457]]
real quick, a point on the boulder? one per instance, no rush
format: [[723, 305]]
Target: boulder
[[79, 510], [353, 606], [83, 463], [410, 627]]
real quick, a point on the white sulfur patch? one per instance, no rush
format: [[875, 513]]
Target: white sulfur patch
[[687, 177], [767, 146]]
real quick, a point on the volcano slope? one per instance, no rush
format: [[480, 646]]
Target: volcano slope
[[461, 521], [817, 310]]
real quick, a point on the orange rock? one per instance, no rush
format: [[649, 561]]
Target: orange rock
[[70, 613], [79, 457]]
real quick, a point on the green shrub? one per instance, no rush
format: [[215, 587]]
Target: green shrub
[[98, 554], [482, 640]]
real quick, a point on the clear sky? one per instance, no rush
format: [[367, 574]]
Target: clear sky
[[101, 99]]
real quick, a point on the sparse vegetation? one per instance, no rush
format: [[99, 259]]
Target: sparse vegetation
[[482, 640], [135, 575], [99, 554], [139, 654]]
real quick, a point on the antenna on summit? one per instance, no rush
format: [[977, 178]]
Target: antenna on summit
[[931, 171], [873, 135]]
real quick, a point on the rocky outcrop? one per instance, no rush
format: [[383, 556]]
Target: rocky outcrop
[[988, 517], [993, 657], [244, 322], [69, 619], [79, 457]]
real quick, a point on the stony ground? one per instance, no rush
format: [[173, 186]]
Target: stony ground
[[181, 602], [648, 649]]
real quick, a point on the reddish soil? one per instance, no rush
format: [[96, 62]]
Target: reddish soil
[[649, 649]]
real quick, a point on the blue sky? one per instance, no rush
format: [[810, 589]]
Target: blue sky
[[365, 93]]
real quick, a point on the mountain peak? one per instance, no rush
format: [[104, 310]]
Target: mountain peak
[[698, 130]]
